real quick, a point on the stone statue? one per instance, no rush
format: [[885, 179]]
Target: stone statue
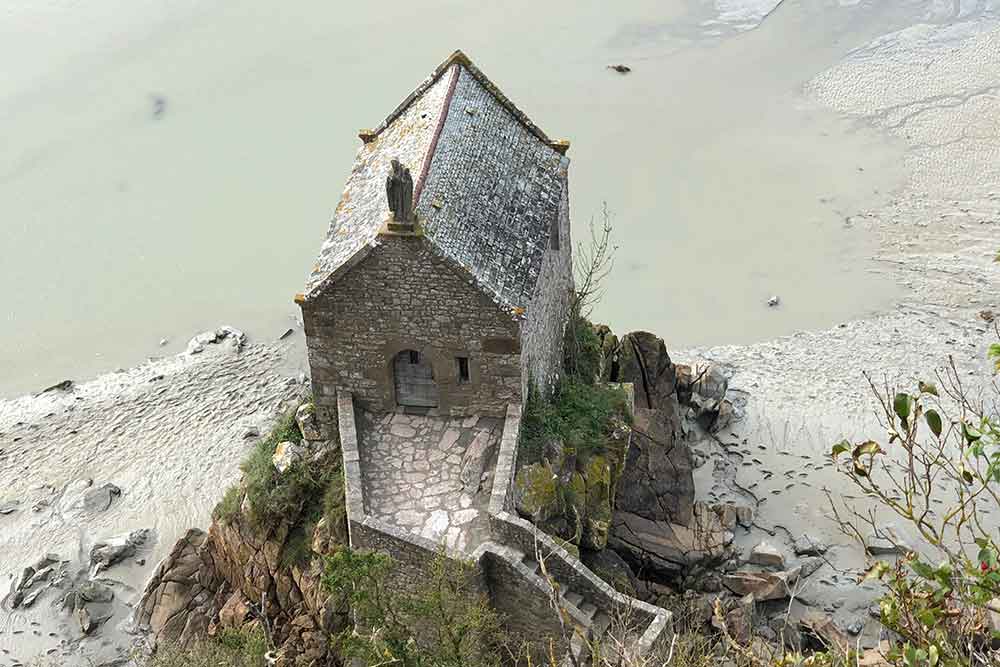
[[399, 190]]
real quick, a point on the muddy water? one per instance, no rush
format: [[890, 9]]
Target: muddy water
[[165, 168]]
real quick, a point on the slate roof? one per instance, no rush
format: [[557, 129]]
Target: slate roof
[[487, 184]]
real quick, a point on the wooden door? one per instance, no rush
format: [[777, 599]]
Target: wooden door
[[414, 377]]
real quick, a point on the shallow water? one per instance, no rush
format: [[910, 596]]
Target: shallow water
[[120, 227]]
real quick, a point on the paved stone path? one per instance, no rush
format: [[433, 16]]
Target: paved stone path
[[411, 468]]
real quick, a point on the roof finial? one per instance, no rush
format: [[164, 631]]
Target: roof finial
[[399, 190]]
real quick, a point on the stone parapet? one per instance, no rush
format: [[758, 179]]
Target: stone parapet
[[511, 530]]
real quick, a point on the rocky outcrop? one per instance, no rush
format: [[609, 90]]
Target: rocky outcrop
[[243, 575], [642, 359], [667, 550], [184, 593], [657, 482], [234, 577]]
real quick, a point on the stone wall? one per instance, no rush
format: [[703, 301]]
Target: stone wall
[[511, 530], [525, 600], [404, 295], [545, 322], [522, 597]]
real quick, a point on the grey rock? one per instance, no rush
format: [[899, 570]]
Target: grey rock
[[30, 598], [113, 550], [87, 624], [810, 565], [762, 585], [100, 498], [807, 545], [9, 506], [657, 482], [232, 335], [287, 454], [92, 591], [880, 546], [643, 360], [305, 416], [855, 628], [39, 576], [768, 555]]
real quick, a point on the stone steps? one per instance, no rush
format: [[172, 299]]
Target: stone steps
[[595, 622]]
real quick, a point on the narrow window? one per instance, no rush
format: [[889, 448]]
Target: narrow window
[[463, 369], [554, 234], [414, 357]]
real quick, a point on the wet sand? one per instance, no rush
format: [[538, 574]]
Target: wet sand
[[938, 89], [170, 434]]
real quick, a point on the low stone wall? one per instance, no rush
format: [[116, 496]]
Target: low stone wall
[[526, 602], [509, 529], [524, 598]]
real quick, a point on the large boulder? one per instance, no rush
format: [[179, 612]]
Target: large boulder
[[762, 585], [669, 549], [657, 482], [612, 568], [643, 360], [106, 553]]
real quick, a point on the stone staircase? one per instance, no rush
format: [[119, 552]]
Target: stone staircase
[[590, 624]]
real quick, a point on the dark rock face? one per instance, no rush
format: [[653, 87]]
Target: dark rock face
[[657, 481], [612, 568], [668, 550], [643, 360]]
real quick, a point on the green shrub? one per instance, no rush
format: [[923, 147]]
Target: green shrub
[[582, 416], [445, 621], [229, 506], [334, 501], [232, 648], [581, 349]]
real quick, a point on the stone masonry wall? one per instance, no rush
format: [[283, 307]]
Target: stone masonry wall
[[521, 596], [404, 295], [544, 327]]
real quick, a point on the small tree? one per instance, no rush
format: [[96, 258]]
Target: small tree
[[938, 603]]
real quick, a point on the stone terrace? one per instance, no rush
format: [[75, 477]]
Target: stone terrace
[[426, 474]]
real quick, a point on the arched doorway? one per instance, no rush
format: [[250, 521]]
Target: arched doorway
[[414, 378]]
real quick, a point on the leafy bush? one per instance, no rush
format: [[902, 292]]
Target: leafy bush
[[233, 648], [444, 622], [581, 416], [939, 610], [581, 349]]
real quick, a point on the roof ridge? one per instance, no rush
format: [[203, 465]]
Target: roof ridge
[[458, 57], [425, 164]]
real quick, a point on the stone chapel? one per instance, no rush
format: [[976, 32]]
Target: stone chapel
[[444, 282]]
